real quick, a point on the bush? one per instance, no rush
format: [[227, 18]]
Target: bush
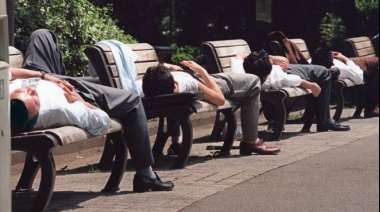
[[77, 24], [332, 30], [185, 53]]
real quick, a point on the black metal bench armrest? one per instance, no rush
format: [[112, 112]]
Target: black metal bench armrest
[[163, 101]]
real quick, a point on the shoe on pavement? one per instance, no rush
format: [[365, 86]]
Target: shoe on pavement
[[260, 148], [332, 125], [372, 114], [142, 183]]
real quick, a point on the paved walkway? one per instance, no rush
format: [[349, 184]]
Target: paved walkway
[[78, 188]]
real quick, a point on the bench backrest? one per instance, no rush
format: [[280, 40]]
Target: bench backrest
[[16, 57], [302, 46], [359, 47], [108, 74], [223, 50]]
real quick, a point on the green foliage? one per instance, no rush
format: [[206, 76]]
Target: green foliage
[[365, 6], [77, 24], [332, 30], [185, 53]]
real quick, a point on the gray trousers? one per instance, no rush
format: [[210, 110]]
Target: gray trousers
[[245, 89], [322, 77], [43, 54]]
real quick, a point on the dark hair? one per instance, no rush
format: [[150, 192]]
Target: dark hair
[[157, 81], [323, 57], [20, 120], [258, 63]]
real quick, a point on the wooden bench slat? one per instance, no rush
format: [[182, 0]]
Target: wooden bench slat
[[365, 52], [363, 45], [228, 43], [232, 51]]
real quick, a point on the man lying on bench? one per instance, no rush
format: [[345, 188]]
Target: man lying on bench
[[59, 100], [167, 78]]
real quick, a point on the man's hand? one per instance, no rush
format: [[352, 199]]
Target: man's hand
[[339, 56], [280, 61], [172, 67], [61, 83], [72, 96], [194, 66]]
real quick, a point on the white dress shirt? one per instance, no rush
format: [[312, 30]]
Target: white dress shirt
[[277, 78], [56, 111], [349, 71]]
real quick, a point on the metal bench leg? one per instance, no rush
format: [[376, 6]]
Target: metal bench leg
[[40, 146], [108, 155], [187, 142], [162, 136], [29, 173], [230, 118], [361, 93], [219, 124], [48, 175], [281, 120], [118, 169]]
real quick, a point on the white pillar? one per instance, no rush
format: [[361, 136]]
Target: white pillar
[[5, 143]]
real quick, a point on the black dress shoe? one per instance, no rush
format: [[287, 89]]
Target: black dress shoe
[[334, 126], [142, 183]]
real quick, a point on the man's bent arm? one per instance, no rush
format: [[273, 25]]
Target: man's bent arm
[[212, 91]]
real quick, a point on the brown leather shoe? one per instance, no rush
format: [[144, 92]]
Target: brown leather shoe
[[375, 113], [260, 148]]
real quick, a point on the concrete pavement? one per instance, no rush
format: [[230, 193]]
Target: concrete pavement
[[343, 179], [314, 172]]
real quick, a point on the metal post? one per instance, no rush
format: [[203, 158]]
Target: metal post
[[5, 143], [11, 21]]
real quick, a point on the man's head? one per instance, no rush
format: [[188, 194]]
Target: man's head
[[158, 81], [25, 106], [259, 64], [323, 57]]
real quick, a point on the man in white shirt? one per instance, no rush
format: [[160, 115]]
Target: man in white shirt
[[350, 70], [311, 73], [274, 78], [90, 103], [66, 109], [167, 78]]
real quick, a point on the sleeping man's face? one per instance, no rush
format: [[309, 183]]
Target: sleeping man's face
[[30, 98]]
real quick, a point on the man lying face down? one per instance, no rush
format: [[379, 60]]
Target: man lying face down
[[168, 78]]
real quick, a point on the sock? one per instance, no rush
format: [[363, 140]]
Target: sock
[[148, 172]]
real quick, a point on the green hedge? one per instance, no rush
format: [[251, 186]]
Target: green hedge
[[77, 23]]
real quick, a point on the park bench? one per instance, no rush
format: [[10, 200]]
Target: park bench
[[218, 55], [177, 107], [39, 145], [359, 47], [337, 87]]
